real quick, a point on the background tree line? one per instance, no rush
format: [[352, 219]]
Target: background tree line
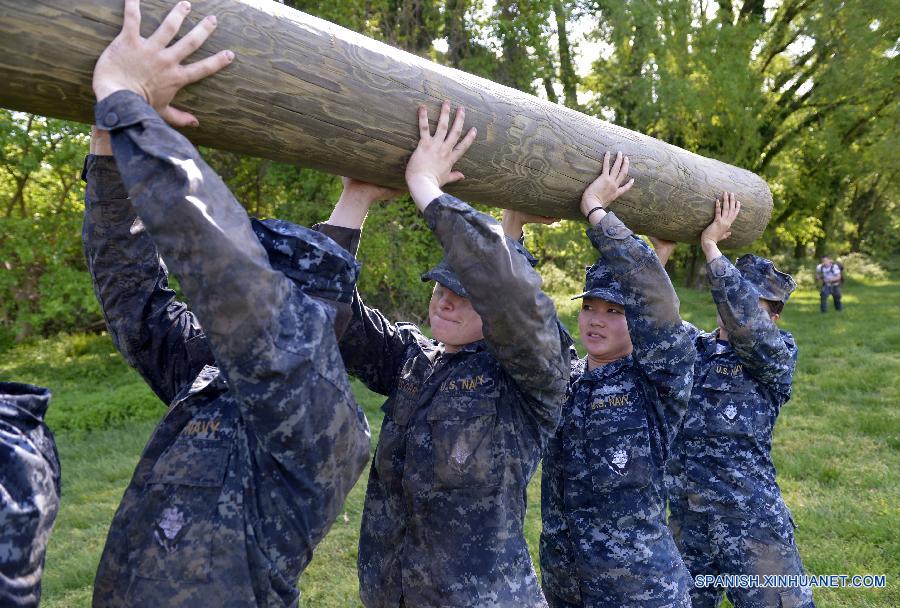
[[803, 92]]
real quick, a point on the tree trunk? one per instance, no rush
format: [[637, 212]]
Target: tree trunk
[[308, 92], [696, 269], [567, 74]]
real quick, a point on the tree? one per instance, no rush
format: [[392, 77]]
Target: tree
[[785, 91]]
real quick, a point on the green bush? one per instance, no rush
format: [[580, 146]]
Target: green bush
[[862, 266]]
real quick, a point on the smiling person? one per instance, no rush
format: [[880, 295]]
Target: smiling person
[[262, 439], [468, 412], [726, 509], [604, 540]]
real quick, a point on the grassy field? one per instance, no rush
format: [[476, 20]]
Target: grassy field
[[836, 449]]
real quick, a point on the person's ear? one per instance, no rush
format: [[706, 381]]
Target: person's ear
[[774, 316]]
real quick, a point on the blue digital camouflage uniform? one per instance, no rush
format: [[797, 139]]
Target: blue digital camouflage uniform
[[29, 492], [263, 438], [604, 540], [726, 510], [462, 433]]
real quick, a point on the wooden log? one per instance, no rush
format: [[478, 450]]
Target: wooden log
[[305, 91]]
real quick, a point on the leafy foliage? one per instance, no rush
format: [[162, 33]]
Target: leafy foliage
[[803, 92]]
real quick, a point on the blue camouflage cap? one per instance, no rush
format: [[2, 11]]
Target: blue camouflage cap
[[319, 266], [599, 282], [443, 274], [771, 283]]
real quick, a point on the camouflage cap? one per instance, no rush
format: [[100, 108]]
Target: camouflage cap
[[443, 274], [600, 283], [319, 266], [772, 284]]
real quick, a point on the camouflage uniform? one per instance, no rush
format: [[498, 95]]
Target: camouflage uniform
[[29, 492], [263, 439], [462, 433], [726, 510], [604, 540]]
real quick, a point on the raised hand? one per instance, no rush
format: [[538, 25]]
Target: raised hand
[[610, 185], [431, 165], [726, 212], [153, 69], [720, 229]]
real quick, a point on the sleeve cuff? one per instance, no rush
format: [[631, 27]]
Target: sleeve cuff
[[720, 268], [442, 203], [122, 109], [611, 227], [348, 238]]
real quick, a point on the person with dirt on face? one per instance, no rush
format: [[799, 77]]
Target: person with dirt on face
[[469, 409]]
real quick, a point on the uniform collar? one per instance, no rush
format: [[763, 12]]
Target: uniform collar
[[710, 344], [604, 371], [471, 347]]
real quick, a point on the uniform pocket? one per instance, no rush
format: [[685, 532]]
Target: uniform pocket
[[172, 529], [462, 434], [733, 410], [620, 452]]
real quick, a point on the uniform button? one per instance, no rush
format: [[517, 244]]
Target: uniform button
[[111, 119], [611, 231]]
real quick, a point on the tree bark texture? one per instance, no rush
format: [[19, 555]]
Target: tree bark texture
[[305, 91]]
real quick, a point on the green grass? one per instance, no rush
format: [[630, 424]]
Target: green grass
[[836, 449]]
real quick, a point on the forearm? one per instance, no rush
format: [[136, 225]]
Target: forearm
[[124, 267], [710, 250], [645, 282], [155, 333], [350, 211], [663, 253], [751, 332], [372, 347], [197, 226], [423, 191], [513, 226]]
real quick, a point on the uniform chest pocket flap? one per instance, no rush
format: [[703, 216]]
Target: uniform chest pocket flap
[[174, 526], [733, 409], [462, 434], [619, 450]]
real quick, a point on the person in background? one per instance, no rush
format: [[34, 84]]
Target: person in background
[[29, 492], [830, 279]]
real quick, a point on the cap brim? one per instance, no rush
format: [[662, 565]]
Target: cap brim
[[602, 294], [446, 280]]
